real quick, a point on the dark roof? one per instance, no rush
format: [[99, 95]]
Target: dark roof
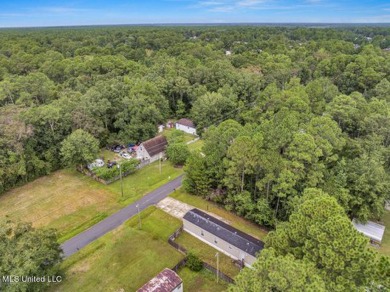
[[155, 145], [233, 236], [186, 122], [166, 281]]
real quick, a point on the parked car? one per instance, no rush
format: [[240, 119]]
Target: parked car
[[117, 148], [110, 164], [96, 163], [125, 155]]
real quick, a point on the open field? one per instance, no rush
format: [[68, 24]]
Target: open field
[[234, 220], [385, 246], [72, 202], [125, 258], [203, 281], [207, 254]]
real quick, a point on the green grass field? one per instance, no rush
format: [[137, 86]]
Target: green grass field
[[125, 258], [234, 220], [207, 254], [72, 202], [203, 281], [196, 146], [385, 246], [128, 257]]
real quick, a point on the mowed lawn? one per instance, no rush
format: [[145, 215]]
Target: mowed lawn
[[125, 258], [234, 220], [385, 246], [203, 281], [71, 202], [208, 254]]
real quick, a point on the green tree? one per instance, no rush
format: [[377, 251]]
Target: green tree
[[26, 251], [79, 148], [272, 272], [178, 153], [319, 232], [197, 180]]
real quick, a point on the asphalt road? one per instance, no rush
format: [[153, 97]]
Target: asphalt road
[[79, 241]]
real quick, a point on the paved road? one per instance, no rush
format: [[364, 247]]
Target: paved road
[[79, 241]]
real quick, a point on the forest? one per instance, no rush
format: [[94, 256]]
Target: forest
[[280, 109]]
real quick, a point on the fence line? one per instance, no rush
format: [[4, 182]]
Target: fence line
[[171, 241]]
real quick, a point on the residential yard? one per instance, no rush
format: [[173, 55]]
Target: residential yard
[[72, 202], [203, 281], [207, 254], [196, 146], [125, 258], [385, 247], [234, 220]]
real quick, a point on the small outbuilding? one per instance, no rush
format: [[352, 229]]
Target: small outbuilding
[[152, 149], [372, 230], [166, 281], [186, 125], [221, 236]]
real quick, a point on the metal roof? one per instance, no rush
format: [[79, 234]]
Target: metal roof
[[371, 229], [186, 122], [166, 281], [155, 145], [233, 236]]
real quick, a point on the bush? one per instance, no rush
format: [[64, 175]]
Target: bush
[[178, 153], [193, 262], [105, 173]]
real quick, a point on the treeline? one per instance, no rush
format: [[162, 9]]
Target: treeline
[[119, 83]]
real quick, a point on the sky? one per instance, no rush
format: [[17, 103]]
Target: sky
[[27, 13]]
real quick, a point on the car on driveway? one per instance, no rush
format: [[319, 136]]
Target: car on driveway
[[110, 164], [125, 155]]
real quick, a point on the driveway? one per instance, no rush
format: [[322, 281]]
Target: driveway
[[79, 241]]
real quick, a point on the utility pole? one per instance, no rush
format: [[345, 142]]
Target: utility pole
[[139, 217], [217, 255], [120, 174]]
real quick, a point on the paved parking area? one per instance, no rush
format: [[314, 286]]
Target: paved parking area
[[178, 209]]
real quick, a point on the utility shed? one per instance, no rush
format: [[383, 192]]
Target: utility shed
[[223, 237], [166, 281], [371, 229], [186, 125]]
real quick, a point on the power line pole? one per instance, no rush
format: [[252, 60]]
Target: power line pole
[[160, 163], [217, 255]]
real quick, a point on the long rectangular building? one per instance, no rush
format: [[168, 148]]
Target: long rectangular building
[[223, 237]]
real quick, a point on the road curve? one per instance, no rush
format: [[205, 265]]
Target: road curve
[[77, 242]]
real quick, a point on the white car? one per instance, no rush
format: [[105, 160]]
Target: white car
[[125, 155], [96, 163]]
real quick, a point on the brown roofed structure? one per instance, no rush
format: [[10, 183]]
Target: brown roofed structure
[[166, 281], [186, 122], [155, 145]]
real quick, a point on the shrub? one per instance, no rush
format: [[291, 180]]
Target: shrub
[[193, 262]]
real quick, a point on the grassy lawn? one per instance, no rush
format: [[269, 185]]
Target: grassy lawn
[[196, 146], [125, 258], [72, 202], [144, 180], [385, 246], [207, 254], [203, 281], [234, 220]]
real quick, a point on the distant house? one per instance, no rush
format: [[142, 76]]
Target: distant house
[[186, 125], [372, 230], [161, 128], [228, 53], [223, 237], [166, 281], [152, 149]]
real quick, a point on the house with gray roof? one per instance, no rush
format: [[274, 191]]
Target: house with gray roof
[[221, 236], [152, 149], [372, 230]]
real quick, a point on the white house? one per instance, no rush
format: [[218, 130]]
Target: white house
[[221, 236], [153, 149], [166, 281], [186, 125]]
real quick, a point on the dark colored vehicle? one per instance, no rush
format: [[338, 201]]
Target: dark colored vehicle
[[110, 164], [117, 148]]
